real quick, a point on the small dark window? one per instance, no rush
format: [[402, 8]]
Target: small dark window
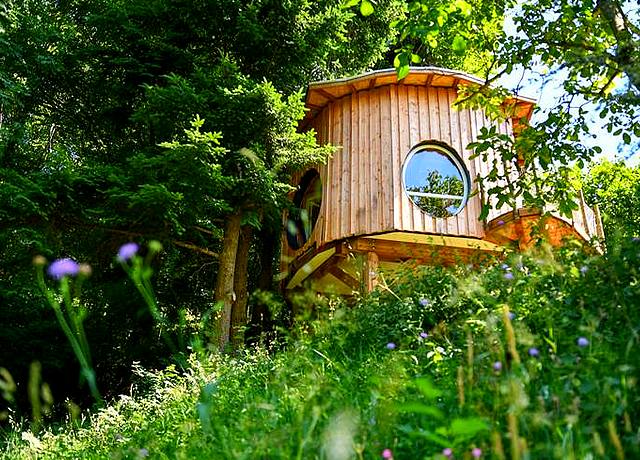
[[435, 180], [306, 209]]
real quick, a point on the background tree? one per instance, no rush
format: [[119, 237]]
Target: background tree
[[586, 43], [615, 188], [88, 92]]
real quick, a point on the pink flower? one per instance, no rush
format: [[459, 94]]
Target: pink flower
[[387, 454], [476, 452]]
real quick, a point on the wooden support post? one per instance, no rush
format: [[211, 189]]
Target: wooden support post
[[370, 272]]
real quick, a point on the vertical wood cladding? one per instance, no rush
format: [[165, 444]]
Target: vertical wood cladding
[[374, 130]]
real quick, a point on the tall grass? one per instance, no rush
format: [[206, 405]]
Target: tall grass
[[536, 356]]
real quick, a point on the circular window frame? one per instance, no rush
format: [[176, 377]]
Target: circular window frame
[[307, 182], [453, 156]]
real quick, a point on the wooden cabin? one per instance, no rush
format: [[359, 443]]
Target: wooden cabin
[[401, 184]]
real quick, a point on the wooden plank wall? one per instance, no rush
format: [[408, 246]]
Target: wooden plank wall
[[376, 129]]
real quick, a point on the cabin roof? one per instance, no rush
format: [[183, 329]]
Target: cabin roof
[[321, 93]]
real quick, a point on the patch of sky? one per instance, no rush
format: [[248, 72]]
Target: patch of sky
[[544, 84]]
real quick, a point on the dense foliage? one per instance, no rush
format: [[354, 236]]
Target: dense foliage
[[615, 188], [97, 147], [541, 348]]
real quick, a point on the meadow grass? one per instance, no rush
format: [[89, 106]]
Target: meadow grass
[[535, 356]]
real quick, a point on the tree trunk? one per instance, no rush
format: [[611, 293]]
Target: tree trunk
[[239, 309], [224, 283]]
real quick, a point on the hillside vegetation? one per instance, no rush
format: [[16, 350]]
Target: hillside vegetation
[[536, 356]]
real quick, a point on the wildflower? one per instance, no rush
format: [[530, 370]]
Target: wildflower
[[39, 261], [85, 270], [497, 366], [508, 276], [387, 453], [448, 452], [63, 267], [424, 302], [501, 222], [505, 267], [534, 352], [635, 239], [583, 342], [127, 251], [511, 315], [423, 335], [584, 269], [391, 346], [143, 453], [476, 452]]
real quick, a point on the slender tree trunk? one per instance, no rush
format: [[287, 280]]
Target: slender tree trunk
[[239, 308], [224, 283]]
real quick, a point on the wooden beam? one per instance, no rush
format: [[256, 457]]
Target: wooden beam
[[344, 277], [325, 94], [370, 272]]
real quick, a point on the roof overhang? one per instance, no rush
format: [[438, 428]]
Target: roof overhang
[[321, 93]]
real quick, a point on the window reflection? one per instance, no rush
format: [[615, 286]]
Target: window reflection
[[434, 182]]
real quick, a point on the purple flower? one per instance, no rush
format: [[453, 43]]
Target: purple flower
[[127, 251], [501, 222], [534, 352], [63, 267], [424, 335], [583, 342], [476, 452], [511, 315], [387, 453], [497, 366], [143, 453], [635, 239], [424, 302], [508, 276], [448, 452], [584, 269], [505, 267], [391, 346]]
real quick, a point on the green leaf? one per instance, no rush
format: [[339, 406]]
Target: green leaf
[[485, 212], [626, 138], [403, 71], [467, 427], [459, 45], [419, 408], [366, 8], [427, 388]]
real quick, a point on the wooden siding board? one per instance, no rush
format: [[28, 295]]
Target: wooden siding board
[[417, 216], [396, 162], [336, 139], [406, 212], [356, 212], [473, 209], [375, 162], [345, 172], [386, 155], [461, 227], [366, 152]]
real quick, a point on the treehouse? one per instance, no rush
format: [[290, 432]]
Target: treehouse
[[401, 185]]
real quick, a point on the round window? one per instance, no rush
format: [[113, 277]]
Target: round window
[[435, 180], [306, 209]]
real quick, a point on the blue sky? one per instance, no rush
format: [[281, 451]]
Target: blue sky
[[546, 87]]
